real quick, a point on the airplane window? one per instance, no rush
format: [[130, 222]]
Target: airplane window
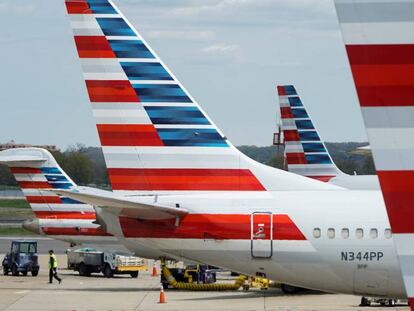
[[331, 233], [373, 233], [359, 233], [345, 233], [388, 233], [317, 233]]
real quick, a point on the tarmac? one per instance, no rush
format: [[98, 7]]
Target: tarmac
[[125, 293]]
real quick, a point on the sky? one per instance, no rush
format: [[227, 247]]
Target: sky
[[229, 54]]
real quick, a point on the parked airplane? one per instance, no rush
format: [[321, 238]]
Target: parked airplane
[[182, 188], [378, 37], [36, 171], [305, 152]]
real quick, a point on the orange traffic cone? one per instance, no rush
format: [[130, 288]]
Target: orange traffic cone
[[154, 270], [162, 295]]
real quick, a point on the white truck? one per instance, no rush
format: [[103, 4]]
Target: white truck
[[90, 260]]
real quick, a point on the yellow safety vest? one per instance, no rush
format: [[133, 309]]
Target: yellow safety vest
[[55, 264]]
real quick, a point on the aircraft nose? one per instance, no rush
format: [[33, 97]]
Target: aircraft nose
[[32, 225]]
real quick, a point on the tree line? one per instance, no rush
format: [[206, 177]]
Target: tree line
[[86, 165]]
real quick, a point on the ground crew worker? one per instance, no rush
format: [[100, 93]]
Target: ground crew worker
[[52, 268]]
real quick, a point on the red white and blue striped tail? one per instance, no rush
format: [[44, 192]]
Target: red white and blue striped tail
[[379, 40], [154, 136], [36, 171], [305, 152]]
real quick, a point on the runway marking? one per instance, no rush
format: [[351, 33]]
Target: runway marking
[[22, 292]]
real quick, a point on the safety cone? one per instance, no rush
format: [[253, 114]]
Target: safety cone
[[162, 295], [154, 270]]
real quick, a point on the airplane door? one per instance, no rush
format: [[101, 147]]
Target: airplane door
[[261, 235]]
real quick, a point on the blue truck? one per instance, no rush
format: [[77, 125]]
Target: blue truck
[[22, 258]]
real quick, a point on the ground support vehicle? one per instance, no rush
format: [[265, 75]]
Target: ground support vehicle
[[192, 274], [368, 301], [22, 258], [90, 260]]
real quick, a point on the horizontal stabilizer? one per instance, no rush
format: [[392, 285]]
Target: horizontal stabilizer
[[12, 160], [122, 206]]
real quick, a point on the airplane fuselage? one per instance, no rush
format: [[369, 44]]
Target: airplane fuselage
[[335, 241]]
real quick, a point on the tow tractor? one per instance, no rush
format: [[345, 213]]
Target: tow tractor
[[90, 260], [22, 258]]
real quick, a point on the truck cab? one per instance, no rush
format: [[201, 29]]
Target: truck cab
[[22, 258]]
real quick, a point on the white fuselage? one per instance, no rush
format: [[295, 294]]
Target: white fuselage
[[365, 265]]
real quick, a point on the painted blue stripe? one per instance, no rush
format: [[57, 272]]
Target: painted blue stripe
[[295, 102], [161, 93], [299, 113], [130, 49], [61, 185], [145, 71], [304, 124], [70, 201], [192, 137], [50, 170], [313, 147], [101, 7], [56, 178], [115, 27], [318, 159], [290, 90], [309, 136], [176, 115]]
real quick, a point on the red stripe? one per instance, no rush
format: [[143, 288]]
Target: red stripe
[[281, 90], [78, 7], [184, 179], [74, 231], [93, 47], [128, 135], [64, 215], [34, 185], [296, 158], [286, 113], [397, 188], [111, 91], [322, 178], [44, 199], [411, 303], [383, 75], [381, 54], [208, 226], [386, 96], [25, 170], [291, 135]]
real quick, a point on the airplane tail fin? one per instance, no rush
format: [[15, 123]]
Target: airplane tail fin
[[37, 172], [379, 41], [305, 152], [154, 135]]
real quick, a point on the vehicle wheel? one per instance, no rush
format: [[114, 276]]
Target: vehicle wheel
[[134, 274], [14, 270], [391, 303], [24, 273], [288, 289], [83, 270], [246, 287], [108, 272], [35, 272], [5, 271]]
